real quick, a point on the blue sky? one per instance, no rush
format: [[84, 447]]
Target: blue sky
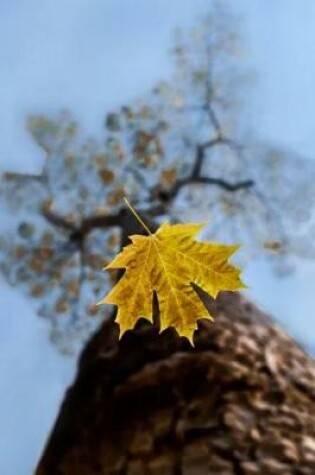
[[90, 56]]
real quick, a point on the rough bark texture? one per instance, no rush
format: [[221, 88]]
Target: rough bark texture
[[242, 402]]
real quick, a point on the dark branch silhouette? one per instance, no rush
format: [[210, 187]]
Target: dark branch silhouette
[[204, 180]]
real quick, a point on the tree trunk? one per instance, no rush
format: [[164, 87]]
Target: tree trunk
[[242, 402]]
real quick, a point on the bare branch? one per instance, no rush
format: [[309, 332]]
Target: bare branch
[[87, 224], [200, 155], [23, 177], [226, 185], [57, 220], [196, 176], [94, 222], [155, 210], [213, 119]]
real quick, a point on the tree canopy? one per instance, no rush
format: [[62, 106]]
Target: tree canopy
[[184, 151]]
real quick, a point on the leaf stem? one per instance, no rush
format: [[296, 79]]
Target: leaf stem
[[134, 212]]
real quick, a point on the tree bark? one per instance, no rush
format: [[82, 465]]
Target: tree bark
[[241, 402]]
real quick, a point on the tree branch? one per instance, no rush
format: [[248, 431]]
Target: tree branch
[[200, 155], [226, 185], [57, 220], [88, 224], [213, 118], [78, 233], [23, 177], [203, 147]]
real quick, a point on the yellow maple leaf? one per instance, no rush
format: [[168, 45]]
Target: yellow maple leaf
[[167, 262]]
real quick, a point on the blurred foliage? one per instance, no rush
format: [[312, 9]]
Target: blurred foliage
[[183, 152]]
